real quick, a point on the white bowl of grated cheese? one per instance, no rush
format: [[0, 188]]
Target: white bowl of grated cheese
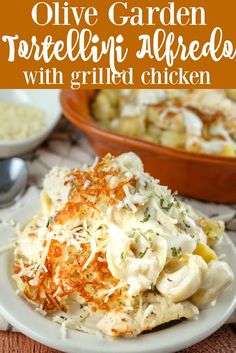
[[26, 119]]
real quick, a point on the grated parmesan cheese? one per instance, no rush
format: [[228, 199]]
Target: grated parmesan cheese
[[19, 121]]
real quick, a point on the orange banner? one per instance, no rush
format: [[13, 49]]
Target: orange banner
[[143, 44]]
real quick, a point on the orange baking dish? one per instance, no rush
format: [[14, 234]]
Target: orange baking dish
[[197, 175]]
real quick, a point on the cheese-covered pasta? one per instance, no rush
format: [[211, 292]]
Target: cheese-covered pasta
[[113, 246]]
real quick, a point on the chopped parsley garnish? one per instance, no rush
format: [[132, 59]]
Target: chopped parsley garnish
[[176, 251], [150, 241], [131, 235], [153, 288], [186, 224], [142, 254], [50, 220], [146, 216], [122, 255], [178, 204], [74, 184], [165, 207]]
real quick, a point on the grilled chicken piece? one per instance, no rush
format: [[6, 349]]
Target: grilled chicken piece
[[154, 311]]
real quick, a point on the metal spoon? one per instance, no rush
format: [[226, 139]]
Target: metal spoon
[[13, 180]]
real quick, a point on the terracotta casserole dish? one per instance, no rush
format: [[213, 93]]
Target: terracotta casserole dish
[[196, 175]]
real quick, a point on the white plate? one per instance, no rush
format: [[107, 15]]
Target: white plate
[[21, 315], [46, 100]]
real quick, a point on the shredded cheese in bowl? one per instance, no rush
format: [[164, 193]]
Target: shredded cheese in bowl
[[114, 252], [20, 121]]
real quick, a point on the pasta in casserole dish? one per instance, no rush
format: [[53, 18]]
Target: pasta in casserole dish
[[196, 120]]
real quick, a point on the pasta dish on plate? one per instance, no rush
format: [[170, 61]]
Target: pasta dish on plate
[[114, 252], [195, 120]]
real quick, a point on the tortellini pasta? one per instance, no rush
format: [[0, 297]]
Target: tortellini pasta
[[216, 279], [184, 281]]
